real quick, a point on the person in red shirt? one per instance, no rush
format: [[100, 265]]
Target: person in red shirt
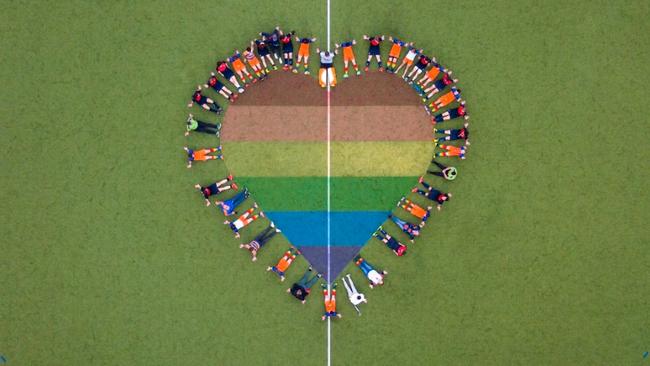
[[374, 49], [452, 113], [439, 85], [204, 102], [220, 88], [225, 71]]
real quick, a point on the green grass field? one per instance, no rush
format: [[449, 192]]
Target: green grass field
[[108, 257]]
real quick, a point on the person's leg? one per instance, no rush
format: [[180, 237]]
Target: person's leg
[[347, 287], [303, 280], [378, 58], [354, 289], [312, 281]]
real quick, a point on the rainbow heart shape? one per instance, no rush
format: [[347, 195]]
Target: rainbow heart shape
[[327, 167]]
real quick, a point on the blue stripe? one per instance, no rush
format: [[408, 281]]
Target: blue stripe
[[309, 228]]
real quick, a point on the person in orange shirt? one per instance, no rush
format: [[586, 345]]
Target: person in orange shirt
[[415, 209], [451, 150], [348, 57], [244, 220], [239, 67], [330, 302], [283, 264], [202, 154], [432, 74], [303, 53], [254, 62], [394, 53], [446, 99]]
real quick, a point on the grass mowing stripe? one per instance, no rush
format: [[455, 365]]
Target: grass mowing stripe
[[307, 193], [356, 159]]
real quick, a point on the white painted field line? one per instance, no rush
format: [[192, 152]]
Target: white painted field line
[[329, 202]]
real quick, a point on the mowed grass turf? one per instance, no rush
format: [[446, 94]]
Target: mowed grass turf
[[108, 255]]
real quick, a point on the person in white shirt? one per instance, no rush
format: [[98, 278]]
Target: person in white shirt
[[327, 72], [376, 278], [355, 296]]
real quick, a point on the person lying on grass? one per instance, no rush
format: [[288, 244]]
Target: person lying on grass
[[394, 53], [354, 296], [243, 220], [215, 188], [453, 95], [438, 86], [446, 172], [220, 88], [398, 248], [449, 114], [229, 206], [374, 49], [204, 102], [415, 210], [450, 150], [301, 289], [348, 57], [227, 73], [432, 193], [265, 54], [408, 59], [258, 242], [329, 299], [412, 230], [456, 134], [303, 54], [375, 277], [193, 124], [284, 263], [202, 154]]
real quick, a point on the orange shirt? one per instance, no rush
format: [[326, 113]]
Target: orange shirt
[[200, 155], [433, 73], [446, 99]]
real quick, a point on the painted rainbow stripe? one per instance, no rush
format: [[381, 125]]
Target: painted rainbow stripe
[[371, 169]]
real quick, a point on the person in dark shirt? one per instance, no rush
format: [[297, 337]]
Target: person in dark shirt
[[438, 86], [215, 188], [260, 240], [225, 71], [287, 48], [446, 172], [452, 113], [422, 63], [273, 41], [301, 289], [456, 134], [204, 102], [265, 53], [220, 88], [432, 194], [398, 248], [374, 49]]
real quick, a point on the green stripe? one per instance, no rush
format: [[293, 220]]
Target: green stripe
[[310, 193], [355, 159]]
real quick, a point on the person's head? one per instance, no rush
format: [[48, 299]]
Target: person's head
[[248, 49], [327, 53]]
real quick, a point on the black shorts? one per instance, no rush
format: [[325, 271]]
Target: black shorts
[[325, 66], [374, 50], [287, 48], [217, 86], [227, 73], [263, 51], [421, 66]]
